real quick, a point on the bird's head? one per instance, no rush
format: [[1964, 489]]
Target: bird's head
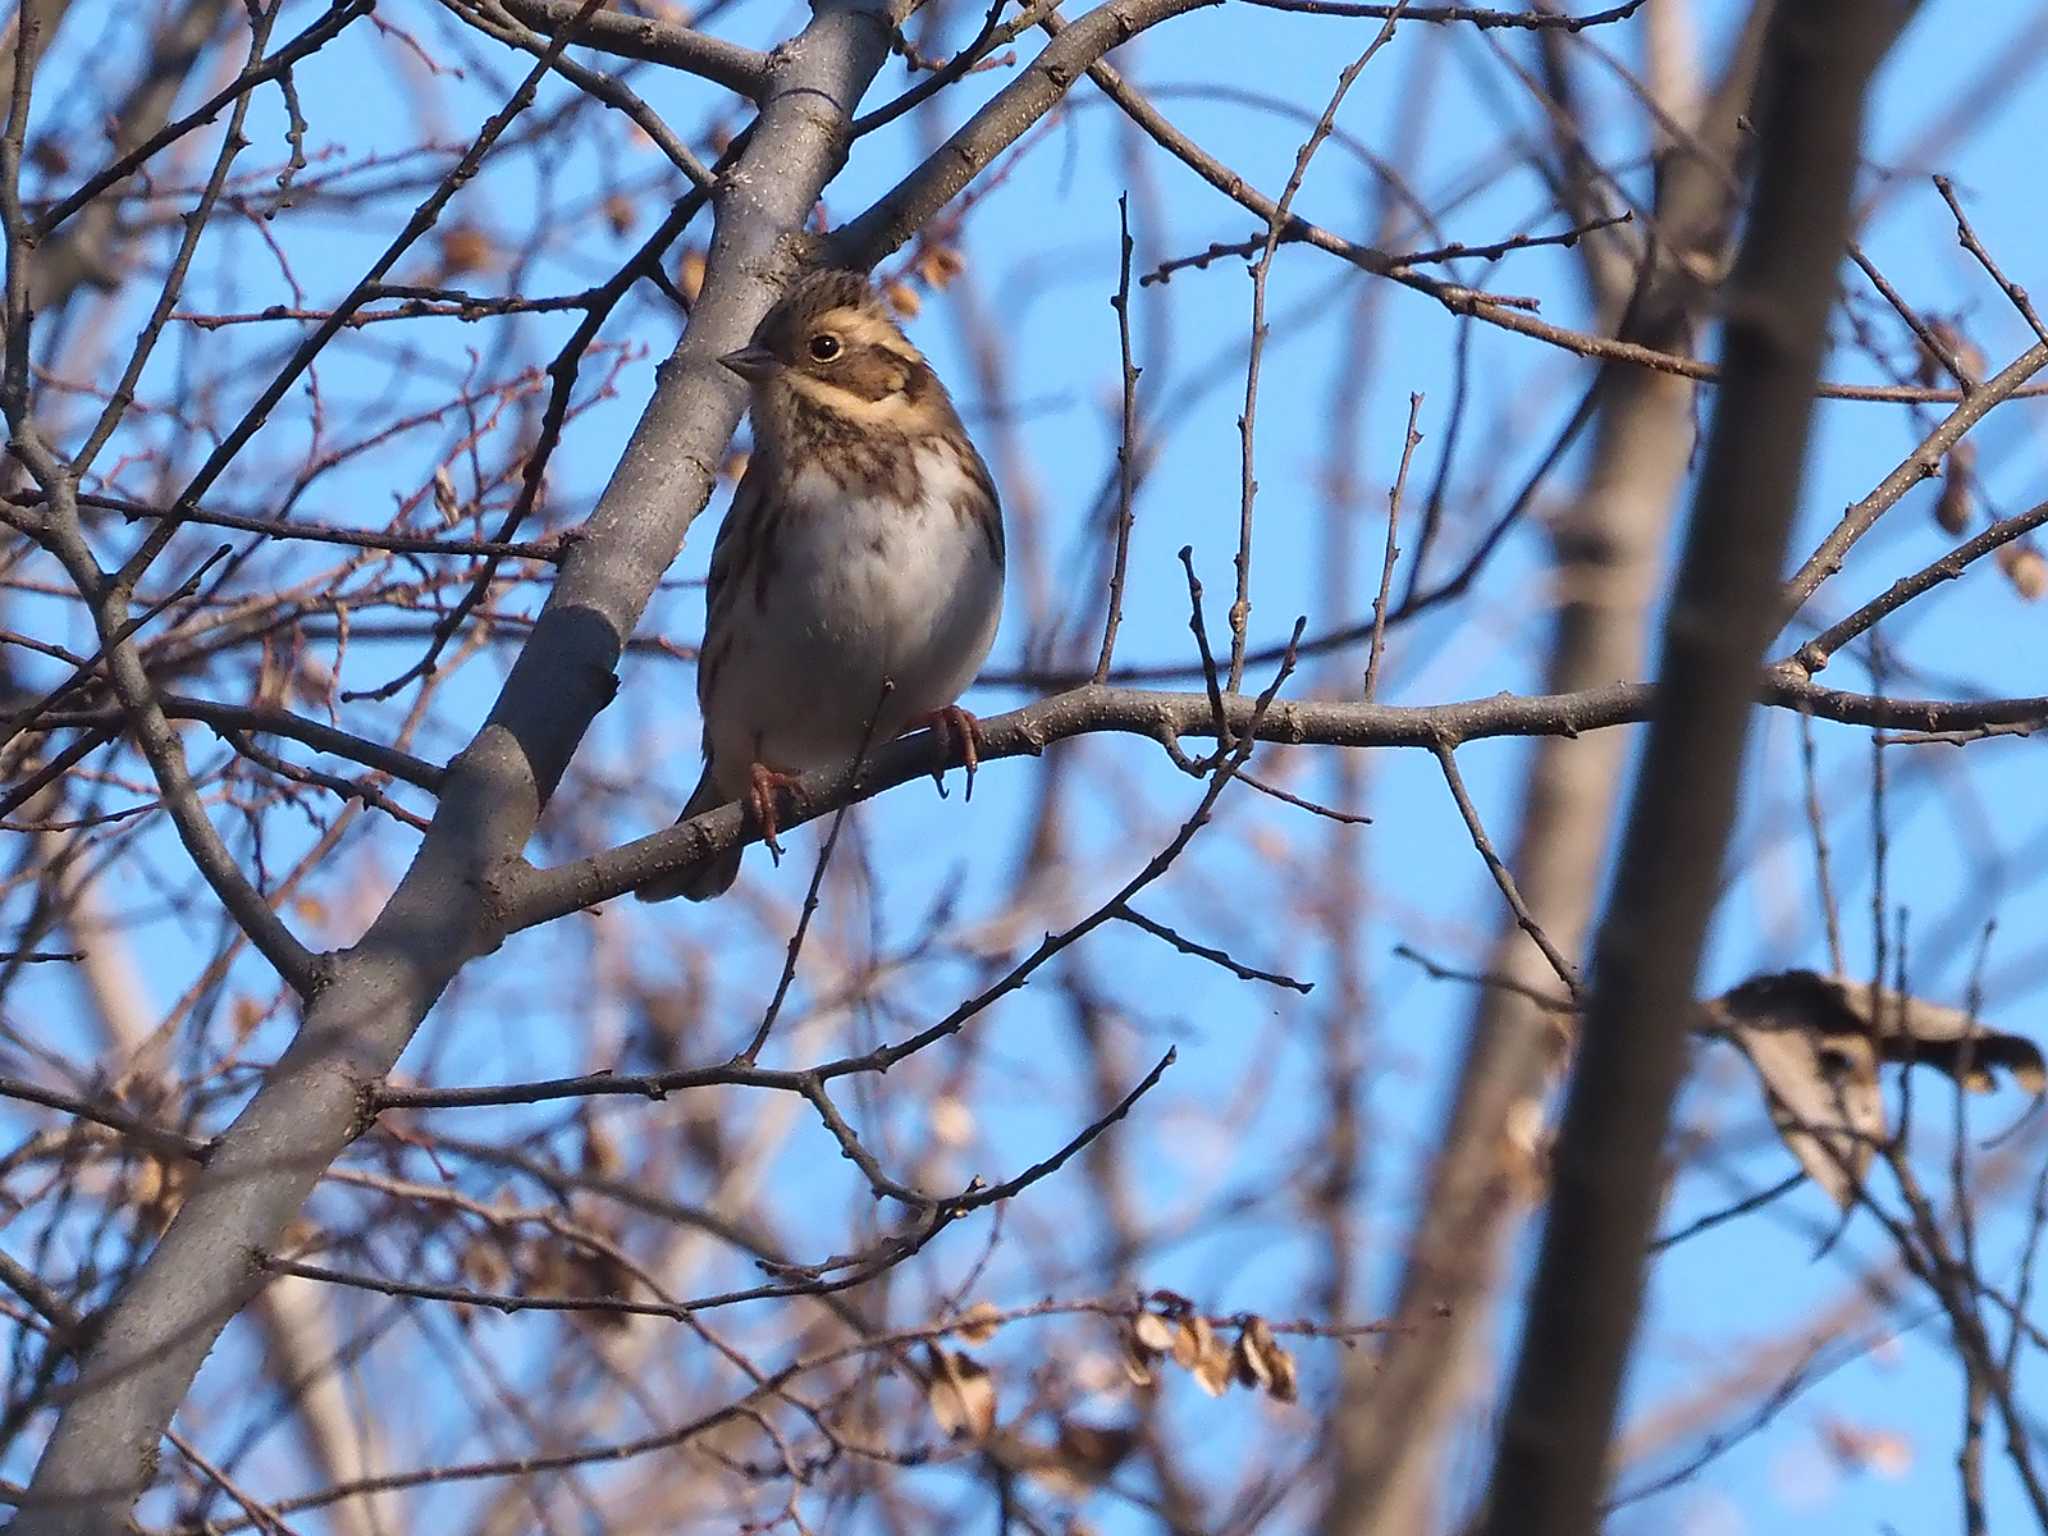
[[830, 344]]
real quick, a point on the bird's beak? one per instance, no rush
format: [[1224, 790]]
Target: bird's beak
[[751, 362]]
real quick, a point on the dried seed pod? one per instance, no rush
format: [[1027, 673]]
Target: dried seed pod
[[1083, 1457], [1251, 1361], [1285, 1386], [938, 265], [465, 248], [1145, 1338], [903, 299], [1137, 1364], [690, 274], [2026, 568], [1212, 1371], [621, 213], [1150, 1330], [446, 502], [1955, 508], [978, 1324]]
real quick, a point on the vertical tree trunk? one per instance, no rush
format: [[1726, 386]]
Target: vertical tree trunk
[[1400, 1409], [1580, 1321]]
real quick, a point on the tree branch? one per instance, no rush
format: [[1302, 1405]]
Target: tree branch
[[1552, 1463], [154, 1335], [653, 41], [524, 896]]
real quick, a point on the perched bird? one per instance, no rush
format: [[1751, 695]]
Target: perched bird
[[858, 577]]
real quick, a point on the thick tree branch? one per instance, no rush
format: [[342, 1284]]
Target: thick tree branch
[[1400, 1407], [269, 722], [523, 896], [153, 1337], [1552, 1463], [903, 210], [653, 41]]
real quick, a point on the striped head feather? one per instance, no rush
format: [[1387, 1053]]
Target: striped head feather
[[828, 362]]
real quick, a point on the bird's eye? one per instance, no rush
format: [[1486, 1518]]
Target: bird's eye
[[824, 346]]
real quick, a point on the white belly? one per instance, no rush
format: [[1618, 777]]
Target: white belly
[[861, 591]]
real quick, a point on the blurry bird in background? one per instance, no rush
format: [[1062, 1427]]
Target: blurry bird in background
[[857, 580]]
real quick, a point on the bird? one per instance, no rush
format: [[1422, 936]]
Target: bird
[[856, 583]]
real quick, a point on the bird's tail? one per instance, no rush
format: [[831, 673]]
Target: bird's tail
[[700, 882]]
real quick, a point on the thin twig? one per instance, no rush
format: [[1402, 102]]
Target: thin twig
[[1816, 822], [1815, 654], [1247, 421], [1313, 807], [1566, 972], [1126, 446], [27, 716], [1393, 551], [1188, 946], [1455, 251], [1928, 337], [1969, 241]]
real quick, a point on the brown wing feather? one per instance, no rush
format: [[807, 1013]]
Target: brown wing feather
[[987, 511], [737, 559]]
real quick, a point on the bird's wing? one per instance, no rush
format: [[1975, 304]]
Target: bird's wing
[[734, 556]]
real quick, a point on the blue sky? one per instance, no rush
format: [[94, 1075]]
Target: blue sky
[[1041, 253]]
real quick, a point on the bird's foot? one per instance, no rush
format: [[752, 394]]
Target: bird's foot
[[958, 727], [762, 784]]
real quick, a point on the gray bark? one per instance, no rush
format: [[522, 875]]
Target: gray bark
[[1608, 1171], [1399, 1408], [153, 1338]]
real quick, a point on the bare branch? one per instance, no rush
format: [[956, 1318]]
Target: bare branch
[[654, 41]]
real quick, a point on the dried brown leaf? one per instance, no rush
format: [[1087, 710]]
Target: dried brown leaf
[[601, 1156], [962, 1394], [1818, 1041], [1082, 1458], [245, 1015], [159, 1188], [1192, 1340], [483, 1264], [1861, 1448]]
